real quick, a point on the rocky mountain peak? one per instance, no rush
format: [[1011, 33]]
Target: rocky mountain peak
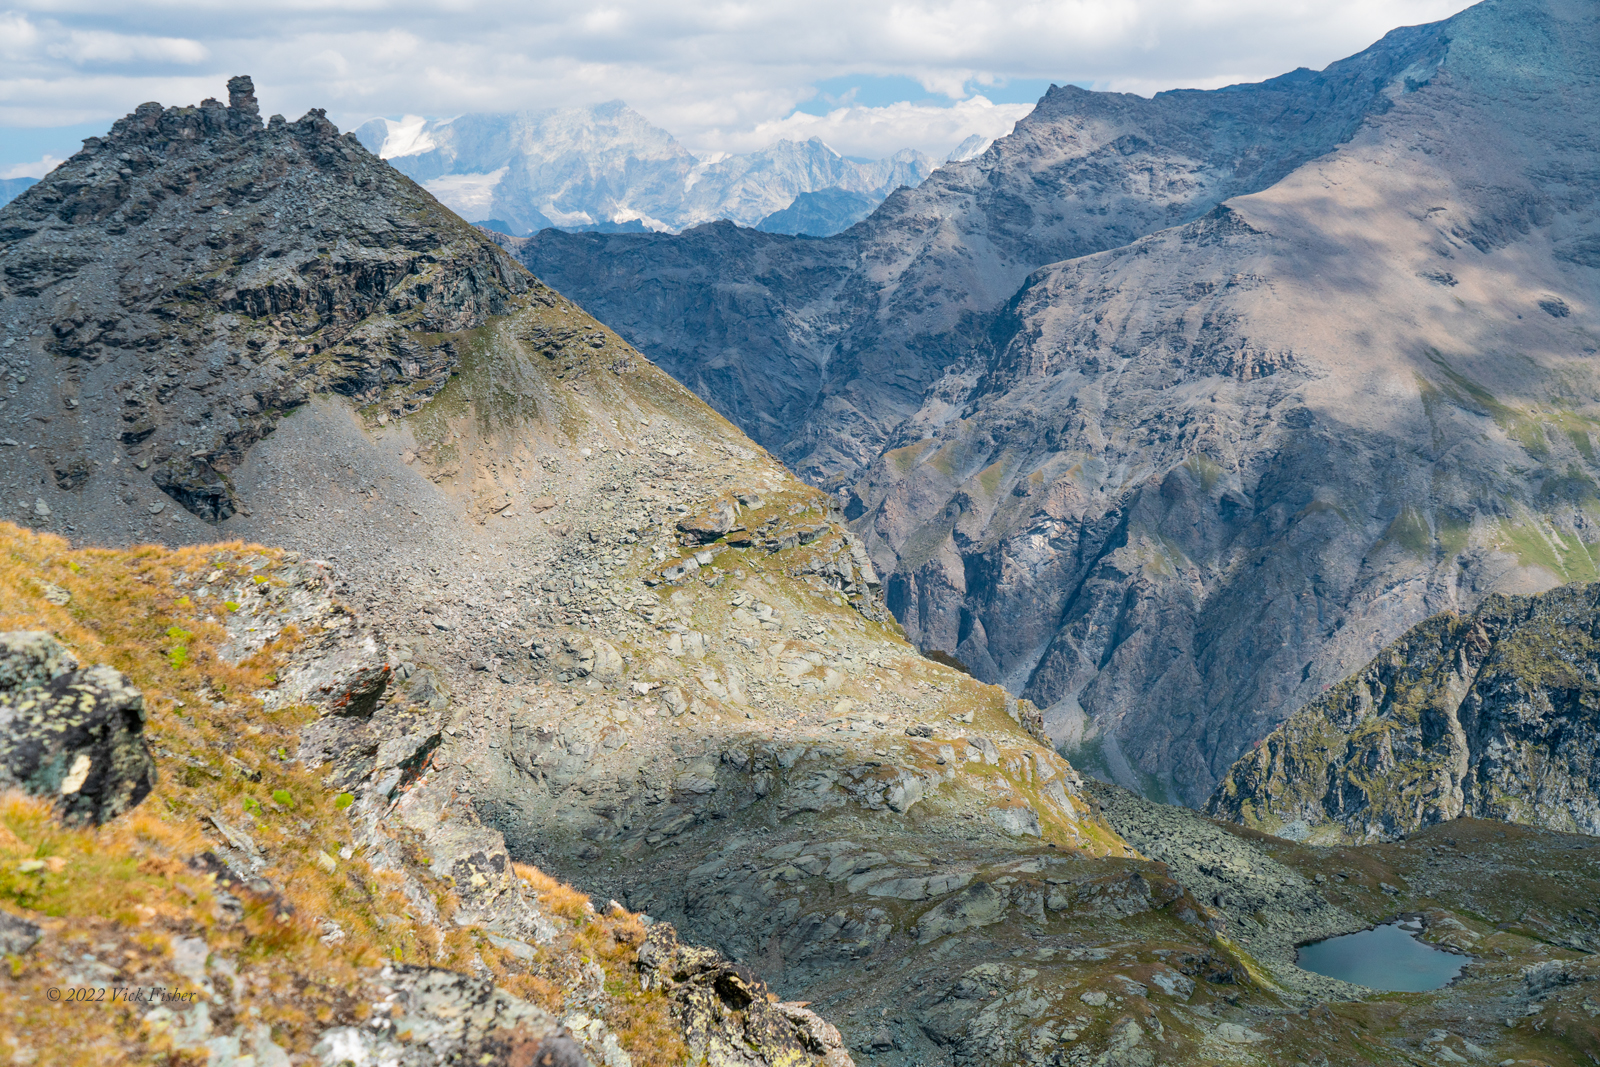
[[195, 274]]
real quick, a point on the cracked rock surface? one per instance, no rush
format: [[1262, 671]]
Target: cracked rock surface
[[73, 735]]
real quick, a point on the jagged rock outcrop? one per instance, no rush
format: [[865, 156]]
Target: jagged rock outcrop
[[1172, 490], [1492, 715], [725, 1010], [75, 736], [177, 286]]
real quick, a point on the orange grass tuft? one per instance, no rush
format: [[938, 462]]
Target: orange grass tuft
[[123, 891]]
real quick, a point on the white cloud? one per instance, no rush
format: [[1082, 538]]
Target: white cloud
[[865, 131], [18, 36], [714, 72], [37, 169], [94, 46]]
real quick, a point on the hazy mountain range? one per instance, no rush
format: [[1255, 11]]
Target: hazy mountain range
[[1169, 413], [606, 167], [11, 188]]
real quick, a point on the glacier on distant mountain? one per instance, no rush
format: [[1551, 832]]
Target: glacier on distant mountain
[[973, 147], [606, 167]]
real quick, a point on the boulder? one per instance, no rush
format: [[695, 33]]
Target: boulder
[[593, 657], [727, 1016], [981, 748], [710, 524], [76, 736], [978, 905], [1172, 983], [1018, 822], [348, 680], [675, 571]]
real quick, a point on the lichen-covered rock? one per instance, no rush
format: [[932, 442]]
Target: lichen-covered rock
[[727, 1017], [441, 1017], [29, 658], [1494, 715], [77, 738], [347, 680]]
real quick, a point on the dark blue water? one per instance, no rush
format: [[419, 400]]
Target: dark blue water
[[1386, 957]]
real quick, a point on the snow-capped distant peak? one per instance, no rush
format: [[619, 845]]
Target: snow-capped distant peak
[[608, 166], [971, 148], [408, 137]]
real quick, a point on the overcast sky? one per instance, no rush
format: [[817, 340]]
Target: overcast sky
[[722, 75]]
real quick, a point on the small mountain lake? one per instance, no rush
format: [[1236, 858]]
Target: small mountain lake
[[1385, 957]]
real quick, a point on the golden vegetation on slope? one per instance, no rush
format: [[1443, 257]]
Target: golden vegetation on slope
[[116, 900], [125, 890], [639, 1018]]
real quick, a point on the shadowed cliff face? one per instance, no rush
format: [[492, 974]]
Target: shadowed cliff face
[[1174, 489], [175, 287]]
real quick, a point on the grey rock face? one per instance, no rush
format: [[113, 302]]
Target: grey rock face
[[348, 679], [74, 736], [1173, 490], [724, 1010], [450, 1018], [176, 287], [1491, 716], [818, 349]]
